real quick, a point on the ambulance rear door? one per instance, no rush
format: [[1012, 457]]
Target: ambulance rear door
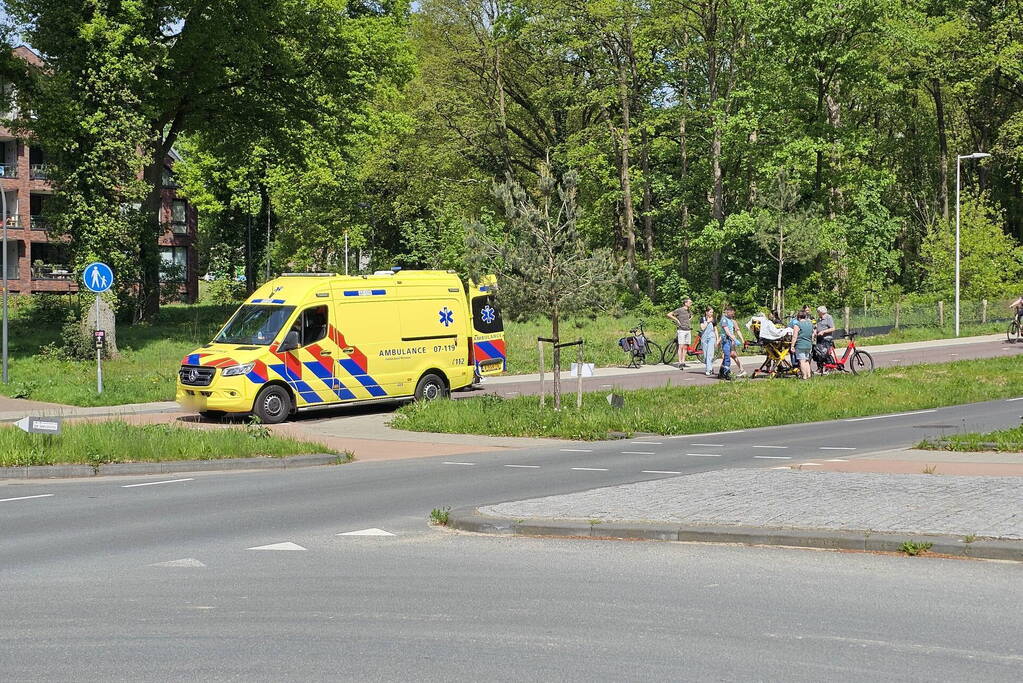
[[489, 351]]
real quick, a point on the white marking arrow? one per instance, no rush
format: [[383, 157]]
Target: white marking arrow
[[367, 532], [186, 562], [287, 545]]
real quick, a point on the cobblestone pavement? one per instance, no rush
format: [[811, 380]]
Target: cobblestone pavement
[[989, 507]]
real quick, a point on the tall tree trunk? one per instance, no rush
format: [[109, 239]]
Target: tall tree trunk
[[683, 151], [149, 250], [834, 112], [647, 208], [717, 188], [502, 112], [779, 292], [939, 112], [628, 217]]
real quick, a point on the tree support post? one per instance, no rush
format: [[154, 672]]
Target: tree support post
[[941, 314], [983, 311]]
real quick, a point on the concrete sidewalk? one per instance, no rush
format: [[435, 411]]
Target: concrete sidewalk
[[970, 516]]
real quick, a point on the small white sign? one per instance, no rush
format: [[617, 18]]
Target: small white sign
[[39, 425], [587, 370]]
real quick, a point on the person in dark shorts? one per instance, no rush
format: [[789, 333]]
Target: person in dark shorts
[[802, 343]]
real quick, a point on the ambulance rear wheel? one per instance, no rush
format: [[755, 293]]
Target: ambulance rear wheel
[[273, 405], [430, 388]]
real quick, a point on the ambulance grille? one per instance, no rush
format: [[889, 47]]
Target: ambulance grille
[[196, 376]]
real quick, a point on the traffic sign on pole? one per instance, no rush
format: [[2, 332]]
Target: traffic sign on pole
[[98, 277]]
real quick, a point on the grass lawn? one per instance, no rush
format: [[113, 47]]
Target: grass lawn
[[727, 405], [145, 371], [96, 443], [1004, 440]]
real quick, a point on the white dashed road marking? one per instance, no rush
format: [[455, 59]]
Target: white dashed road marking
[[531, 467], [41, 495], [773, 457], [709, 445], [458, 463], [590, 469], [185, 562], [155, 483], [837, 448], [770, 447], [881, 417], [638, 453], [705, 455], [659, 472], [287, 545], [576, 450]]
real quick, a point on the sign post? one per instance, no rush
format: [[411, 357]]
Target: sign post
[[98, 277]]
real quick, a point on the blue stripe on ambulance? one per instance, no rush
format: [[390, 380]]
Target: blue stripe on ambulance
[[365, 292], [490, 349], [300, 386], [268, 301], [365, 380], [328, 378]]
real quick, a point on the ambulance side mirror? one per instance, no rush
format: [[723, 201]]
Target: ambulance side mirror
[[290, 342]]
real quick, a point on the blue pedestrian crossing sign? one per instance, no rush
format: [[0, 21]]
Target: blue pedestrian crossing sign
[[98, 277]]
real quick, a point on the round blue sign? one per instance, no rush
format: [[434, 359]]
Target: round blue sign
[[98, 277]]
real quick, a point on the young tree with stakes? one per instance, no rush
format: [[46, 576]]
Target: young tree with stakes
[[544, 263]]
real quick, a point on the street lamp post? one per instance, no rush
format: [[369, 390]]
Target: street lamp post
[[3, 208], [959, 158]]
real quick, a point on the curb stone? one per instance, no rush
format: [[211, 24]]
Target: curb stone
[[123, 468], [470, 519]]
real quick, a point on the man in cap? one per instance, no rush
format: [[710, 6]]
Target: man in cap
[[825, 329]]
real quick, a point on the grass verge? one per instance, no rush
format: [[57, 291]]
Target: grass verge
[[1002, 441], [725, 406], [98, 443]]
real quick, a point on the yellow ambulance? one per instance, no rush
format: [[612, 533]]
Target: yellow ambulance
[[306, 341]]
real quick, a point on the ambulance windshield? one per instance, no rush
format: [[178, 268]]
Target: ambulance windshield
[[255, 325]]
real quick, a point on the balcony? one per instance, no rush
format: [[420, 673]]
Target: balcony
[[42, 271], [39, 171], [12, 220], [40, 223], [8, 170]]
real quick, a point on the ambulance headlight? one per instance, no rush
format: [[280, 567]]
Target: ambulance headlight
[[234, 370]]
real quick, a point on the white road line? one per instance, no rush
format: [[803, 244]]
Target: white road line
[[709, 445], [1010, 400], [881, 417], [697, 436], [770, 447], [836, 460], [659, 472], [590, 469], [705, 455], [531, 467], [783, 467], [647, 443], [773, 457], [155, 483], [458, 463], [837, 448], [41, 495], [638, 453], [576, 450]]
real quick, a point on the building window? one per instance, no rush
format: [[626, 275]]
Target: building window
[[179, 217], [168, 179], [8, 159], [173, 264], [37, 209], [38, 165]]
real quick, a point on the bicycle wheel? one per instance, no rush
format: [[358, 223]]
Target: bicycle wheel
[[860, 362], [654, 353], [1014, 332], [670, 354]]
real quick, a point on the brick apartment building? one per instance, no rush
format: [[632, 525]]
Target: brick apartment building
[[38, 261]]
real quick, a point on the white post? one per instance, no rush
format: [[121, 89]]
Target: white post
[[958, 162], [346, 252], [99, 352]]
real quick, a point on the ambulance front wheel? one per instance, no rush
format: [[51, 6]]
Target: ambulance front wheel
[[273, 405], [431, 387]]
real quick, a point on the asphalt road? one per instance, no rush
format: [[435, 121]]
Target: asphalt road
[[80, 599]]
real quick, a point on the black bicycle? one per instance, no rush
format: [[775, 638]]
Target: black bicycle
[[1013, 334], [639, 347]]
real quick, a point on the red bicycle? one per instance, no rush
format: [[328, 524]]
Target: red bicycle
[[853, 360]]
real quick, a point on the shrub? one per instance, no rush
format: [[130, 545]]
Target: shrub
[[222, 290]]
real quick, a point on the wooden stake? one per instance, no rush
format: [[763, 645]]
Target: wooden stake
[[539, 347]]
